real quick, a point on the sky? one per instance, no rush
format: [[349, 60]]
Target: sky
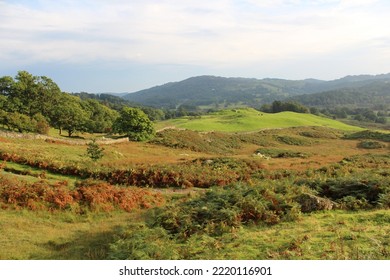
[[128, 45]]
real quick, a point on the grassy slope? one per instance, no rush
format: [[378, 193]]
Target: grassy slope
[[251, 120], [60, 235], [323, 235]]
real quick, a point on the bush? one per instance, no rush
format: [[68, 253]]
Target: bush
[[384, 200], [370, 145], [368, 134], [280, 153], [295, 141], [42, 126], [224, 210], [352, 203], [368, 191], [88, 195]]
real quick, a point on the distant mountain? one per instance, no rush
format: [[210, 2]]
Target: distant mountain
[[119, 94], [375, 94], [212, 90]]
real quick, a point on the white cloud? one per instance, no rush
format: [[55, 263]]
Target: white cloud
[[219, 32]]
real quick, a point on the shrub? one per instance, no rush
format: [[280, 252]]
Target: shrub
[[42, 126], [295, 141], [88, 195], [368, 134], [280, 153], [384, 200], [352, 203], [370, 145], [223, 210], [366, 190]]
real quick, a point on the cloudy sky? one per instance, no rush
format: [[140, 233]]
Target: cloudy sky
[[128, 45]]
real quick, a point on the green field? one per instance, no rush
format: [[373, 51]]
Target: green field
[[240, 120]]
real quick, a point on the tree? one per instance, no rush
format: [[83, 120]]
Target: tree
[[29, 95], [6, 84], [20, 122], [69, 115], [135, 124], [94, 151], [277, 106], [101, 118]]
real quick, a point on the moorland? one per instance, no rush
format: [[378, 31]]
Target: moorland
[[228, 184]]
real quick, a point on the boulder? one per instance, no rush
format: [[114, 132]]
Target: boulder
[[310, 203]]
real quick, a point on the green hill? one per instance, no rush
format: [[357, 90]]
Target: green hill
[[248, 119]]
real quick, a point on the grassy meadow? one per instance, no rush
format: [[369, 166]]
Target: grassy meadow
[[248, 119], [236, 184]]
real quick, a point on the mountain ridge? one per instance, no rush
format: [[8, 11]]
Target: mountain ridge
[[207, 90]]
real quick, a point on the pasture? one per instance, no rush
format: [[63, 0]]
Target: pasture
[[248, 119]]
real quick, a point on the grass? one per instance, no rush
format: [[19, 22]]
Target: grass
[[240, 120], [61, 235], [30, 174], [328, 235]]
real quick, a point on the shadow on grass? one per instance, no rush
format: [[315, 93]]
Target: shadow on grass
[[84, 246]]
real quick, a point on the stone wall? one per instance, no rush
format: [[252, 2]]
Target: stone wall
[[100, 141]]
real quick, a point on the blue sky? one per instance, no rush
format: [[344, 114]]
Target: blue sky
[[124, 46]]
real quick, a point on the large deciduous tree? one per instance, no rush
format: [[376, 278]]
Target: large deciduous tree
[[69, 115], [135, 124]]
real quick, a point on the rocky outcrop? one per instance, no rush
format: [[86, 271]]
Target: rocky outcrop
[[310, 203]]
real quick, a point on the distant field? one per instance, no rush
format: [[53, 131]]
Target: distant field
[[239, 120]]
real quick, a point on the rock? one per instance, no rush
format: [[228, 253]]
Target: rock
[[260, 155], [310, 203]]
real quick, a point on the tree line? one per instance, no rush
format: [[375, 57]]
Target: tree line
[[35, 103], [282, 106]]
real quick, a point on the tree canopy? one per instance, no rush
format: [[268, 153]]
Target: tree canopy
[[135, 124], [32, 103]]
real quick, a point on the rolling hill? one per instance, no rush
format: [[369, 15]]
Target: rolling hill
[[240, 120], [219, 91]]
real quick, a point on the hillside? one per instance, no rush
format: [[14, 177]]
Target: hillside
[[251, 120], [219, 91], [374, 94]]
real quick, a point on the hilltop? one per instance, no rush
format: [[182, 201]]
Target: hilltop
[[247, 119]]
